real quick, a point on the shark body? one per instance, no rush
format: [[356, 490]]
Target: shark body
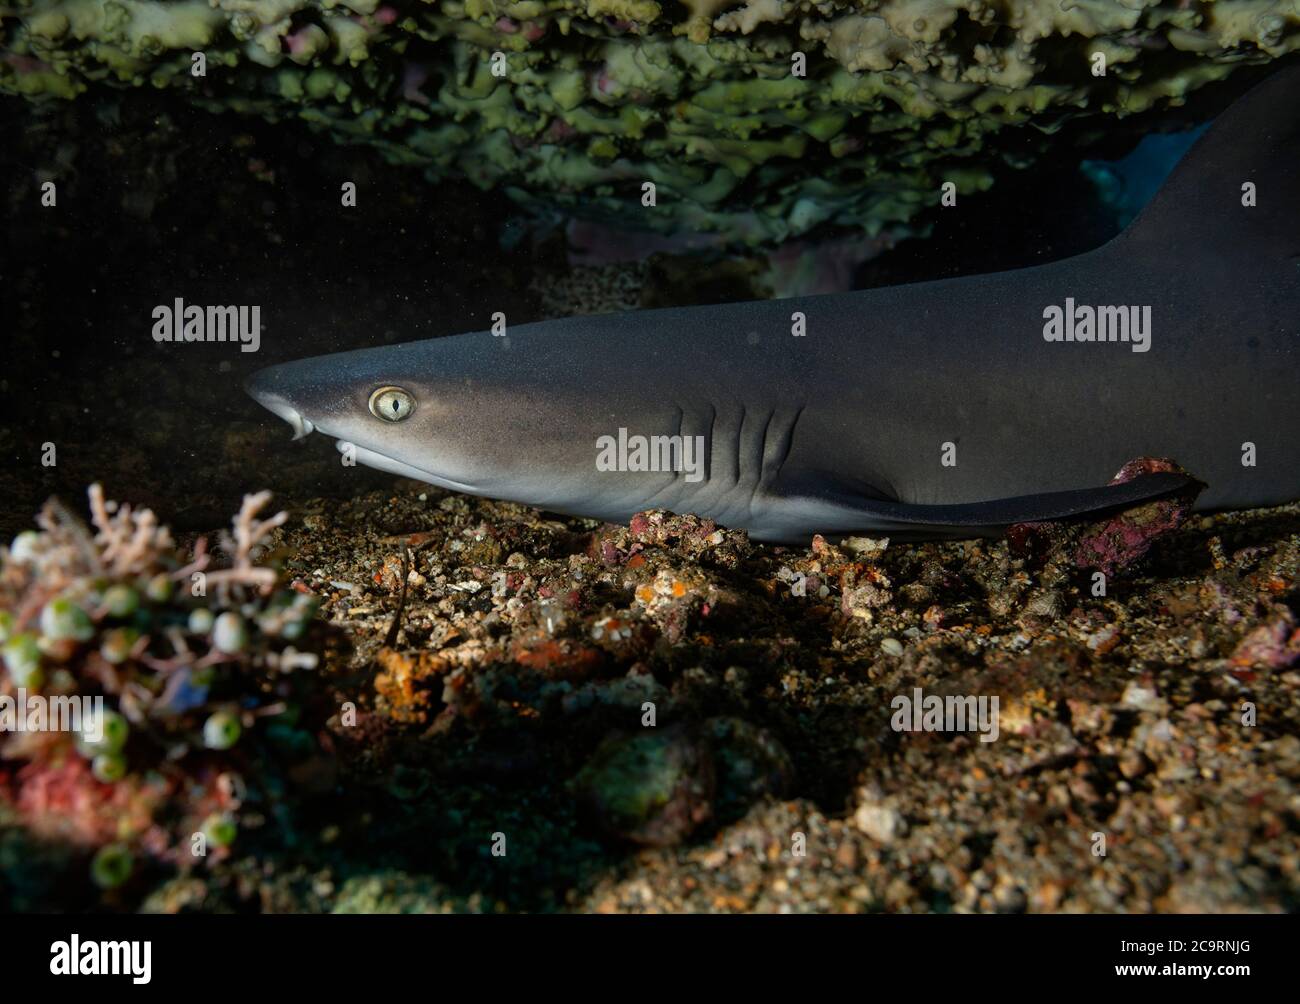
[[953, 407]]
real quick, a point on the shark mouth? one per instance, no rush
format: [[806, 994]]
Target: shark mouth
[[385, 463]]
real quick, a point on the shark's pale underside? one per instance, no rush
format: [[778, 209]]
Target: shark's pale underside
[[930, 408]]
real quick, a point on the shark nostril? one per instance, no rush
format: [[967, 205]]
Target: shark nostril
[[262, 385], [254, 384]]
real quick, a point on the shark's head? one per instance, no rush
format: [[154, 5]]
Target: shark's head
[[391, 408], [509, 419]]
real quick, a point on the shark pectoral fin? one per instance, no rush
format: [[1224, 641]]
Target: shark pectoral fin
[[1048, 506], [844, 511]]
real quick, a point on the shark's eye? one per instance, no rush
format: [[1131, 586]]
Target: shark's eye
[[392, 404]]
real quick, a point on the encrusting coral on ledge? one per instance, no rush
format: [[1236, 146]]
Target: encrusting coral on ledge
[[571, 107]]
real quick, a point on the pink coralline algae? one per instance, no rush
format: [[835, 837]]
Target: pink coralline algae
[[1122, 539], [1113, 542], [531, 30], [414, 76], [26, 64]]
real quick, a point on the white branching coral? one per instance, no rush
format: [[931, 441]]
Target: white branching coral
[[129, 540], [117, 605], [249, 534]]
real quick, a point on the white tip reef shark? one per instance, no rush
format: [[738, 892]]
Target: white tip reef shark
[[944, 408]]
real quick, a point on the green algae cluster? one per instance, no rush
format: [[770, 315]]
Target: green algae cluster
[[756, 121]]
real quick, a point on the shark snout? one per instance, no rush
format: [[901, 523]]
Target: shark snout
[[266, 387]]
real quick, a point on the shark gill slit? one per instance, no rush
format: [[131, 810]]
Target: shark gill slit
[[761, 453], [738, 443], [674, 475], [782, 447], [679, 469], [708, 446]]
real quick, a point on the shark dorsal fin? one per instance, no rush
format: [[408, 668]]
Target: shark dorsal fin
[[1237, 190]]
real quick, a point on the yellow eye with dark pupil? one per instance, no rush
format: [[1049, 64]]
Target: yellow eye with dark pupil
[[392, 404]]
